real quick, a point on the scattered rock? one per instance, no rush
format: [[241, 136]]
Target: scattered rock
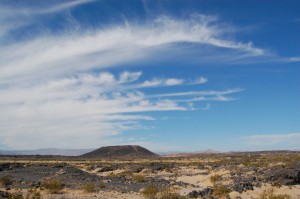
[[4, 194], [108, 168]]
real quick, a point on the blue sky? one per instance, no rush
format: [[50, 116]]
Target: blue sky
[[168, 75]]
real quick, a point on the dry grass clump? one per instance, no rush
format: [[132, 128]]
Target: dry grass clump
[[15, 196], [215, 178], [5, 180], [89, 187], [18, 195], [150, 191], [54, 186], [276, 183], [139, 178], [33, 194], [221, 190], [169, 193], [269, 194], [102, 185]]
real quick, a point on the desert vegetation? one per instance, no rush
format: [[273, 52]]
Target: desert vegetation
[[54, 186], [260, 175]]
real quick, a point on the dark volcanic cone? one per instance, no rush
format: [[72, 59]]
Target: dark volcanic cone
[[126, 151]]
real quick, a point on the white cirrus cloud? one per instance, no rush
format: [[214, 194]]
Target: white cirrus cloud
[[51, 93], [200, 80], [161, 82], [266, 140], [130, 76], [85, 106], [93, 105], [199, 93], [49, 55], [173, 81]]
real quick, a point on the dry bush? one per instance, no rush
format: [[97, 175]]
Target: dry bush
[[33, 194], [150, 191], [269, 194], [221, 190], [139, 178], [276, 183], [89, 187], [169, 193], [215, 178], [15, 196], [102, 185], [5, 180], [54, 186]]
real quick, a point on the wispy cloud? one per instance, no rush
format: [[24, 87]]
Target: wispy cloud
[[200, 80], [59, 7], [15, 15], [84, 50], [50, 91], [161, 82], [173, 81], [126, 76], [201, 93], [40, 7], [94, 105], [297, 20], [273, 140], [211, 98]]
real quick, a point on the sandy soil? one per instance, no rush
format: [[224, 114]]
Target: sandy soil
[[293, 191], [101, 195]]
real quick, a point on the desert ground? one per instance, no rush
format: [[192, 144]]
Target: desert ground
[[249, 175]]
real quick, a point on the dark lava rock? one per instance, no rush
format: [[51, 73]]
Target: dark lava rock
[[4, 166], [109, 168], [4, 194], [193, 194], [10, 166], [284, 176], [207, 192], [242, 186], [137, 169], [298, 178], [156, 166]]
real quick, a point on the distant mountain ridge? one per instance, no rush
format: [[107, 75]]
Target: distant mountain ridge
[[47, 151], [167, 153], [126, 151]]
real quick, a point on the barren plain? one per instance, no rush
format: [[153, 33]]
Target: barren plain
[[260, 175]]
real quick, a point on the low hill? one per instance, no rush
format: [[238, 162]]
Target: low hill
[[126, 151]]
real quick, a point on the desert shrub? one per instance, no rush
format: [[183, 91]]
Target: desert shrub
[[5, 180], [89, 188], [215, 178], [15, 196], [276, 183], [168, 193], [221, 190], [54, 186], [139, 178], [33, 194], [269, 194], [102, 185], [290, 165], [246, 162], [123, 174], [175, 177], [150, 191]]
